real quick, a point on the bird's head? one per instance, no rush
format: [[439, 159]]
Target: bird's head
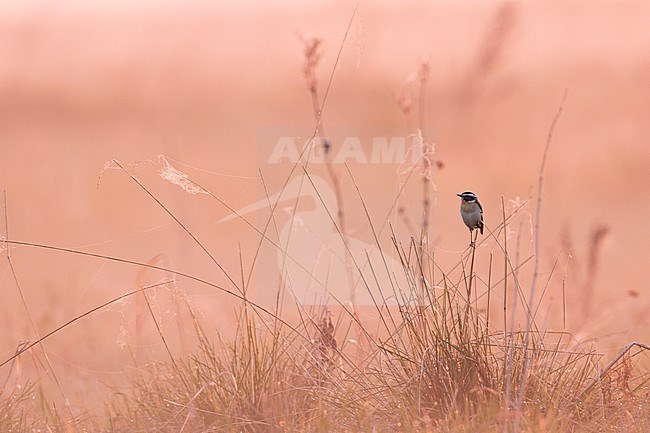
[[468, 196]]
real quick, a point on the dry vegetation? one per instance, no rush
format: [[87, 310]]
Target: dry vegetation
[[434, 367], [441, 364], [438, 364]]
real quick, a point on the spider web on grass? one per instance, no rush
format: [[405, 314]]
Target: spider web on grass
[[177, 177]]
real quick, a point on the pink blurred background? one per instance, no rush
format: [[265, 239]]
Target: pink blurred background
[[201, 83]]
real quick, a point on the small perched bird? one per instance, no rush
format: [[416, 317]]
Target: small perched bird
[[472, 213]]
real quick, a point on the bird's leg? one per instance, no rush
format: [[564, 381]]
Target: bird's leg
[[471, 239]]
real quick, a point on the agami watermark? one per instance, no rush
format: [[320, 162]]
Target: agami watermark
[[351, 149]]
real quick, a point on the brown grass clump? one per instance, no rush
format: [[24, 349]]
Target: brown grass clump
[[432, 366], [438, 368]]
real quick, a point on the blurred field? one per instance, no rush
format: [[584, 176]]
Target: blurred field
[[204, 84]]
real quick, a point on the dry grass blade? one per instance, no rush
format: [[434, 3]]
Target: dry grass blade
[[538, 216]]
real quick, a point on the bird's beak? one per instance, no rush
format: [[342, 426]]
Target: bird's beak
[[459, 195]]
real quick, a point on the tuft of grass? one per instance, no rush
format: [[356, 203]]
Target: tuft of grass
[[17, 412], [435, 367], [434, 363]]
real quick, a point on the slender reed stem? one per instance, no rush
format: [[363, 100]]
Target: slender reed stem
[[531, 296]]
